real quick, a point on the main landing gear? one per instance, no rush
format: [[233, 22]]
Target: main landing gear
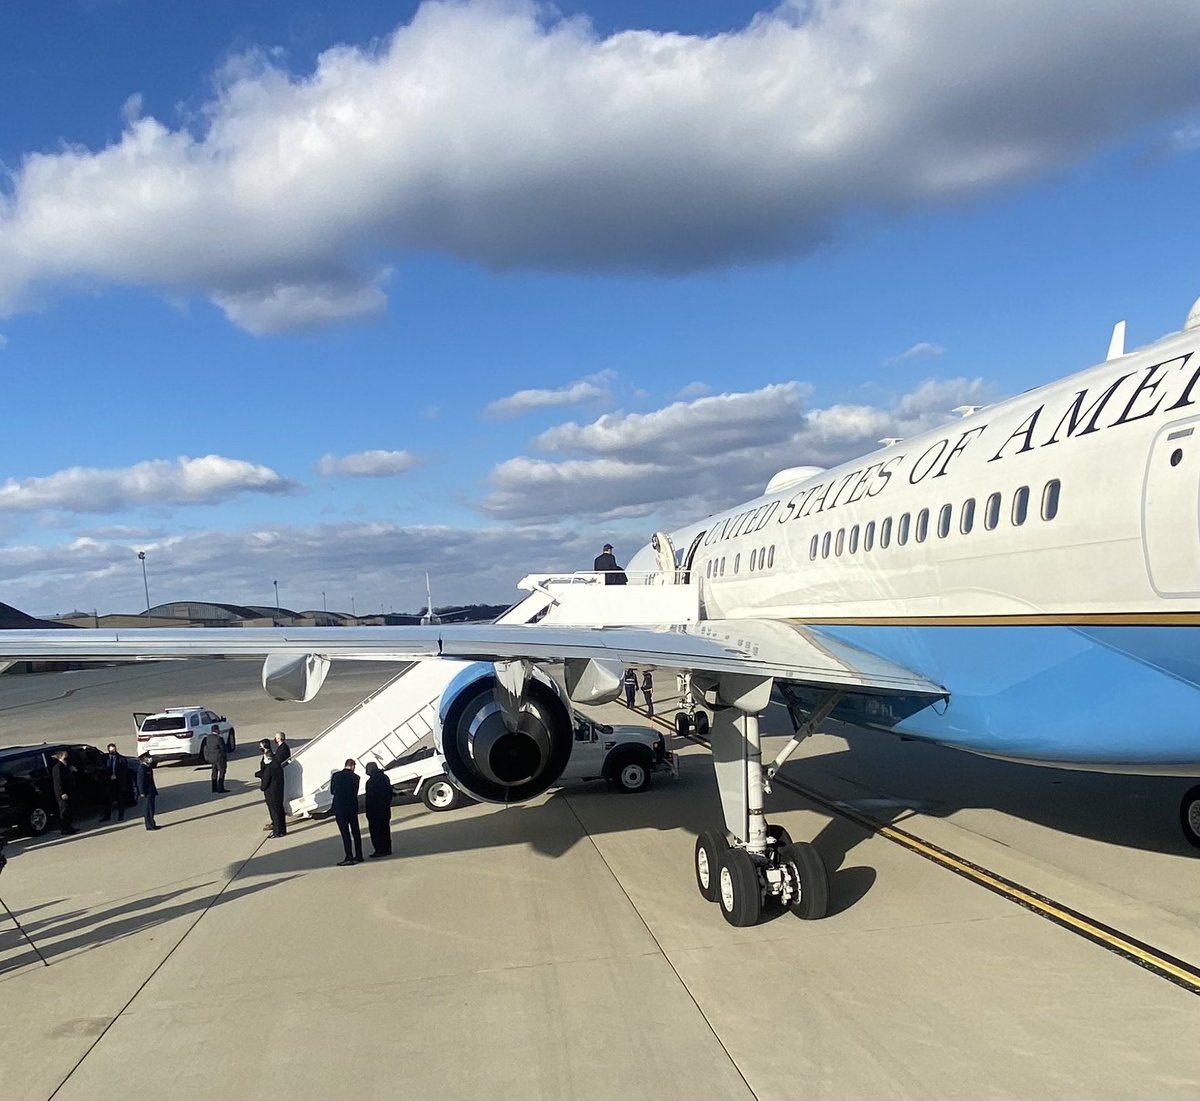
[[751, 864]]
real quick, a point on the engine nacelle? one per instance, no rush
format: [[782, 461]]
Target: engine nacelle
[[487, 760], [294, 678]]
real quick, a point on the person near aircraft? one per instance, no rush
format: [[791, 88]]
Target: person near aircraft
[[63, 780], [218, 757], [282, 751], [630, 682], [379, 810], [343, 785], [648, 693], [116, 783], [147, 789], [270, 776], [606, 563]]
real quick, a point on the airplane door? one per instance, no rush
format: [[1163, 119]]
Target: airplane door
[[664, 552], [685, 568], [1171, 510]]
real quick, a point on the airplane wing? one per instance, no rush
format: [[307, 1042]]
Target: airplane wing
[[787, 652]]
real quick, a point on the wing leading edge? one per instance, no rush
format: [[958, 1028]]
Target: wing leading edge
[[788, 652]]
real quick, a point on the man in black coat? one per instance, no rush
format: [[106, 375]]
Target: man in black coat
[[271, 781], [282, 750], [343, 785], [63, 780], [217, 755], [379, 809], [116, 783], [606, 563], [147, 789]]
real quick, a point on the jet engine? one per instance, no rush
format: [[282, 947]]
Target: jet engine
[[501, 754]]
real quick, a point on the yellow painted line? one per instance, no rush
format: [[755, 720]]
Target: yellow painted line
[[1160, 963]]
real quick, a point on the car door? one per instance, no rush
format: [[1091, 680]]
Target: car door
[[89, 764]]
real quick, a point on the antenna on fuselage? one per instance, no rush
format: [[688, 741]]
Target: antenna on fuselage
[[887, 441], [1116, 346], [966, 410]]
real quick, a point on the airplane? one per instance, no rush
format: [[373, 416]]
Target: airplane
[[1022, 583]]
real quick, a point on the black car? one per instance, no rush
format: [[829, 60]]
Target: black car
[[27, 801]]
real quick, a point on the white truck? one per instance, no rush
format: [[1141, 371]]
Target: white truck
[[625, 756]]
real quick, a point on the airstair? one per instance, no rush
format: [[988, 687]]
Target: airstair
[[386, 725]]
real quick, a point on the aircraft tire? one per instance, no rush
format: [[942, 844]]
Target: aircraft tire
[[781, 836], [700, 723], [683, 724], [807, 866], [739, 894], [709, 847], [1189, 815]]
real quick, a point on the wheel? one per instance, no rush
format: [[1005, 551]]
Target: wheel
[[809, 878], [1189, 815], [709, 847], [440, 794], [230, 742], [630, 773], [739, 892], [700, 723], [38, 820], [683, 724]]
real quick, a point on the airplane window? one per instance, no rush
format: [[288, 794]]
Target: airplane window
[[854, 539], [754, 559], [902, 530], [885, 533], [944, 521], [722, 565], [825, 544], [869, 536], [737, 562], [967, 520], [922, 525], [812, 548], [1020, 506], [771, 556], [840, 542], [1050, 500], [991, 515]]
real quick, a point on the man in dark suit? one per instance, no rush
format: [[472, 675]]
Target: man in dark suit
[[343, 785], [271, 781], [606, 563], [63, 780], [379, 810], [282, 751], [116, 783], [217, 754], [147, 789]]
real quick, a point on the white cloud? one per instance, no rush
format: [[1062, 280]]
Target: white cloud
[[691, 458], [3, 342], [921, 350], [694, 390], [502, 134], [367, 464], [526, 401], [373, 563], [156, 482]]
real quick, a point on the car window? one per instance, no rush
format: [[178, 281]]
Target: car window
[[162, 722], [195, 720], [22, 766], [92, 757]]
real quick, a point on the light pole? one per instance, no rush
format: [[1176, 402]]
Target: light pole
[[276, 584], [352, 612], [145, 583], [324, 606]]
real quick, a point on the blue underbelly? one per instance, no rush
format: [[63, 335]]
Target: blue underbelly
[[1104, 698]]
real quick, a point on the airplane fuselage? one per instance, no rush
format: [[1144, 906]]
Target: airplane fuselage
[[1040, 557]]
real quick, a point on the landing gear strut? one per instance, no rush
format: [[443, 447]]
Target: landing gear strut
[[753, 864]]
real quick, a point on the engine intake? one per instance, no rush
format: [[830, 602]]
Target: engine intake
[[494, 764]]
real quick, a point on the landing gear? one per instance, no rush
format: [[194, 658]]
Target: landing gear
[[1189, 815], [753, 864]]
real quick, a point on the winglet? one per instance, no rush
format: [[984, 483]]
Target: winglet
[[1116, 346]]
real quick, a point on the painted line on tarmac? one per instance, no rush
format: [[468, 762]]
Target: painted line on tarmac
[[1146, 956]]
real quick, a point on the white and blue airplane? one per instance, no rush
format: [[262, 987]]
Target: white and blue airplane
[[1023, 583]]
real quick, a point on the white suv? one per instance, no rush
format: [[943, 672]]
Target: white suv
[[177, 733]]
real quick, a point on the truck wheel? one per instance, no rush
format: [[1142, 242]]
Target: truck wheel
[[440, 794], [38, 820], [203, 756], [230, 743], [630, 773]]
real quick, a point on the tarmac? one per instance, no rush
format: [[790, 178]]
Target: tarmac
[[561, 949]]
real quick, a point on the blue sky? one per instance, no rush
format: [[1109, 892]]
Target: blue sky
[[334, 294]]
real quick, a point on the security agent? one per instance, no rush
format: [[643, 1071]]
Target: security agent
[[147, 788], [218, 756], [343, 785]]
